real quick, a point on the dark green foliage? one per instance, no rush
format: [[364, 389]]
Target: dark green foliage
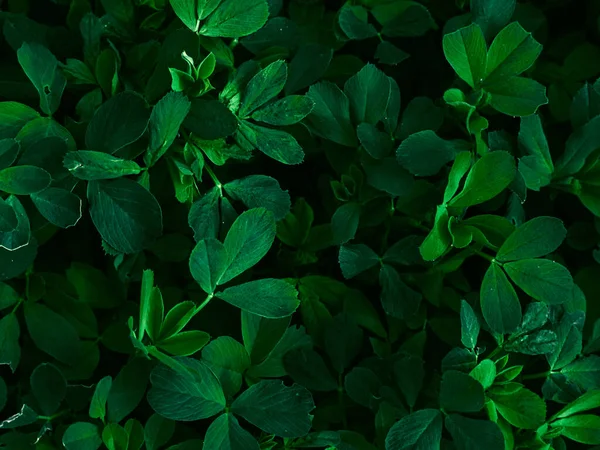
[[293, 224]]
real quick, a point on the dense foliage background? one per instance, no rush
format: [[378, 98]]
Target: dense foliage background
[[244, 224]]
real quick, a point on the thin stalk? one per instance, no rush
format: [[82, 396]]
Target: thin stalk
[[535, 376]]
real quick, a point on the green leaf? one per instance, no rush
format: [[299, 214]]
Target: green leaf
[[287, 111], [418, 431], [127, 216], [354, 22], [120, 121], [420, 114], [185, 343], [388, 53], [537, 167], [398, 300], [466, 51], [584, 372], [9, 150], [492, 15], [580, 145], [187, 12], [115, 437], [264, 86], [58, 206], [403, 19], [204, 217], [589, 400], [166, 118], [257, 191], [488, 177], [8, 296], [261, 335], [41, 67], [330, 117], [234, 19], [438, 240], [522, 408], [269, 297], [409, 374], [368, 93], [13, 117], [210, 119], [536, 237], [460, 392], [474, 434], [536, 316], [128, 389], [377, 143], [20, 236], [97, 408], [52, 333], [569, 340], [517, 96], [82, 436], [307, 66], [485, 373], [145, 302], [276, 144], [512, 52], [424, 153], [344, 222], [158, 431], [307, 367], [24, 180], [176, 319], [275, 408], [186, 396], [248, 241], [10, 351], [225, 433], [355, 259], [469, 325], [343, 341], [387, 175], [26, 416], [49, 387], [584, 428], [208, 263], [542, 279], [459, 169], [228, 359], [499, 302], [155, 314]]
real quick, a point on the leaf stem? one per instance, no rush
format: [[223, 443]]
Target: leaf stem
[[215, 179], [484, 255], [535, 376], [53, 416], [201, 306]]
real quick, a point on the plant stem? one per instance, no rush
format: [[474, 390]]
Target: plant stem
[[215, 179], [201, 306], [484, 255], [535, 376]]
